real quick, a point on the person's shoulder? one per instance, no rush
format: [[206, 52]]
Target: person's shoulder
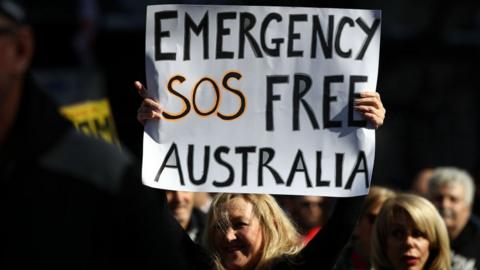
[[473, 226], [199, 213], [474, 219], [89, 159]]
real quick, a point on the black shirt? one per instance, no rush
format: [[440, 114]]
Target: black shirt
[[466, 247]]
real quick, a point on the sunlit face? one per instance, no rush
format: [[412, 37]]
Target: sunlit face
[[454, 209], [240, 241], [407, 247], [181, 206]]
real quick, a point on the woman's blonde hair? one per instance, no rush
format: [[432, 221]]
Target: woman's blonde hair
[[425, 218], [281, 239]]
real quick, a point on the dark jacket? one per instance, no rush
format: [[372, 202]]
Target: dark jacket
[[196, 226], [73, 202], [466, 247]]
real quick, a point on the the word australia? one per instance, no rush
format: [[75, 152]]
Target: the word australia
[[271, 35], [298, 170]]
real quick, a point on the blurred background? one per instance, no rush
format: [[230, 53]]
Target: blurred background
[[428, 76]]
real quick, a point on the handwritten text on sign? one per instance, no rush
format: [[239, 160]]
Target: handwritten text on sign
[[260, 99]]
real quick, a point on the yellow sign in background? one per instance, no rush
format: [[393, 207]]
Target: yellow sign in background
[[93, 118]]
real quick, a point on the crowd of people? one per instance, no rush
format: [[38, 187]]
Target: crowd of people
[[395, 229], [70, 201]]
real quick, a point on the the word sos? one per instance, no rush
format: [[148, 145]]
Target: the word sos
[[216, 89]]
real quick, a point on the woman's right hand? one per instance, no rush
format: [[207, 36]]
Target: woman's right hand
[[149, 108]]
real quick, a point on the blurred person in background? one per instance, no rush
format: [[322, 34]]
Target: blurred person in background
[[419, 184], [310, 213], [68, 201], [410, 234], [357, 253], [192, 220], [452, 191], [202, 201]]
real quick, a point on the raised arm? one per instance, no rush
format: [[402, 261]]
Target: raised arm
[[169, 241]]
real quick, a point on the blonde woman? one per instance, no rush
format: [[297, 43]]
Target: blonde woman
[[250, 231], [410, 234]]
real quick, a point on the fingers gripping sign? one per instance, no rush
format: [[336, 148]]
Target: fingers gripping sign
[[371, 107], [149, 108]]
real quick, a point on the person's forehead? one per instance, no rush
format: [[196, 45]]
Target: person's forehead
[[238, 207], [451, 189], [184, 194], [401, 218], [311, 199]]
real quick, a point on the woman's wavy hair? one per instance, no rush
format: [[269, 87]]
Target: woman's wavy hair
[[281, 239], [425, 218]]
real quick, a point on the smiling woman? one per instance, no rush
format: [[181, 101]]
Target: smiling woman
[[410, 234], [250, 231]]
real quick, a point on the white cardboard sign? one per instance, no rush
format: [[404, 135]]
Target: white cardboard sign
[[259, 99]]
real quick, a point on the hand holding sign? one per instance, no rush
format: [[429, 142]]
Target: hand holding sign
[[149, 109], [371, 107]]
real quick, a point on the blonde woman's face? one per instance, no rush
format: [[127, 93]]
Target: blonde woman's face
[[240, 241], [407, 247]]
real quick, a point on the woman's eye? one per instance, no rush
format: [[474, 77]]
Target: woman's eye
[[417, 233], [239, 225]]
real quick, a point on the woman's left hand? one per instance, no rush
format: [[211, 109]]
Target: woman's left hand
[[371, 107]]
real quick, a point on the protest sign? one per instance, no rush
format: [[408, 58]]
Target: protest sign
[[260, 99]]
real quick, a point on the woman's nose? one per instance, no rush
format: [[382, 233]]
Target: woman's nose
[[230, 234], [409, 241]]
